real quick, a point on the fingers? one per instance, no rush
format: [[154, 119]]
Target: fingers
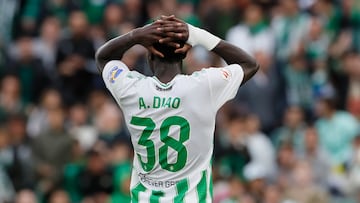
[[168, 27], [173, 44], [176, 32], [155, 52], [169, 41], [170, 18], [178, 29], [161, 23], [167, 24], [171, 36], [183, 49]]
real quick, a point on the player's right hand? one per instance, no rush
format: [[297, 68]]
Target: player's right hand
[[149, 35]]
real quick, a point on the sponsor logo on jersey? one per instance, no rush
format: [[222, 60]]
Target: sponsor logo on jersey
[[158, 88], [225, 74], [114, 73], [156, 183]]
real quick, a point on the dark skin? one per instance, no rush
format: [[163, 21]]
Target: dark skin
[[167, 30]]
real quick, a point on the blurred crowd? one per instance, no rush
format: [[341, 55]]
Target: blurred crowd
[[292, 134]]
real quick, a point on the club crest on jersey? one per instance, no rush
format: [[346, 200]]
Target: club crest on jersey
[[114, 73], [225, 74]]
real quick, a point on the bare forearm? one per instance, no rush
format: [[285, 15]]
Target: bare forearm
[[235, 55], [114, 49]]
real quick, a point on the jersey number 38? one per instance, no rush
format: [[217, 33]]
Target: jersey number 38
[[168, 142]]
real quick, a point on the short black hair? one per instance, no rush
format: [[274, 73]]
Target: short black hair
[[169, 52]]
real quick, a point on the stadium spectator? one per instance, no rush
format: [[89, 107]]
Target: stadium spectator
[[329, 14], [59, 196], [299, 88], [20, 166], [232, 154], [45, 46], [289, 26], [286, 161], [74, 59], [264, 95], [304, 188], [261, 150], [94, 10], [316, 42], [336, 131], [220, 17], [80, 127], [254, 33], [352, 95], [26, 196], [38, 122], [134, 11], [315, 156], [292, 130], [51, 151], [95, 181], [10, 97], [121, 165], [110, 123], [29, 70], [273, 195], [235, 191], [256, 176], [113, 18]]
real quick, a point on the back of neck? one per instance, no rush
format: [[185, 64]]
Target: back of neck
[[166, 72]]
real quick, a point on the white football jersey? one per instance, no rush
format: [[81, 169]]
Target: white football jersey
[[172, 128]]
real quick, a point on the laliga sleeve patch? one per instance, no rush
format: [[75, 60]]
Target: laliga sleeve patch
[[114, 73], [225, 74]]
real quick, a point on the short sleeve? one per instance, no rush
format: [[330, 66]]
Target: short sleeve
[[224, 83], [114, 76]]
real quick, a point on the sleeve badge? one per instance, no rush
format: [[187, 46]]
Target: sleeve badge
[[225, 74], [114, 73]]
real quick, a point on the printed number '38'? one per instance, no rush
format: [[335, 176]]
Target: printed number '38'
[[177, 145]]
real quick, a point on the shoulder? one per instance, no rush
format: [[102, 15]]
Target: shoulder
[[220, 71], [116, 68], [226, 72], [117, 75]]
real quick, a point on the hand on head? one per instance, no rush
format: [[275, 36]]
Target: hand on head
[[167, 30]]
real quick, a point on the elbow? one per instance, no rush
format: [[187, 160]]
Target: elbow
[[250, 70], [99, 61], [253, 67], [98, 55], [256, 67]]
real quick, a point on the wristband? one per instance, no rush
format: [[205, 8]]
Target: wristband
[[202, 37]]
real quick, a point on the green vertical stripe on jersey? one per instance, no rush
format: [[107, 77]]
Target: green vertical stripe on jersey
[[181, 188], [211, 187], [135, 193], [201, 188], [155, 196]]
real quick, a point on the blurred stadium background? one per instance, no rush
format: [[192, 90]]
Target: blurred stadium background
[[290, 136]]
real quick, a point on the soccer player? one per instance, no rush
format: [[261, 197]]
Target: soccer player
[[171, 116]]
